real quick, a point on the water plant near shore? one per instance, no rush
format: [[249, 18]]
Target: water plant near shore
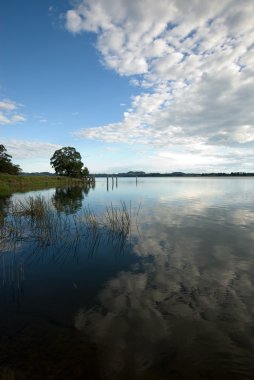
[[35, 219], [118, 220]]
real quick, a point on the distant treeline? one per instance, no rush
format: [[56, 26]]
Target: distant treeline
[[174, 174], [39, 174], [144, 174]]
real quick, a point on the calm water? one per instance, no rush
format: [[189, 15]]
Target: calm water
[[175, 300]]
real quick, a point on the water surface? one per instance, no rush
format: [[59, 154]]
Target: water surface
[[176, 300]]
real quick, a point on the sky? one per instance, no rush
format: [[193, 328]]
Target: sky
[[158, 86]]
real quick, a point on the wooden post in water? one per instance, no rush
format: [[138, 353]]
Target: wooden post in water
[[116, 181], [107, 183], [136, 181]]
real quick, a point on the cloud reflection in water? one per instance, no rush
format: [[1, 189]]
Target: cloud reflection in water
[[188, 307]]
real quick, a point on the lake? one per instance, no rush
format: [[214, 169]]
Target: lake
[[167, 295]]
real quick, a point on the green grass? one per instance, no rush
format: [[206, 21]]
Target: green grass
[[16, 183]]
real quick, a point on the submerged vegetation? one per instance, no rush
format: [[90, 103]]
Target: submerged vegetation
[[36, 220]]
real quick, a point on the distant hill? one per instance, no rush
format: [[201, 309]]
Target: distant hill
[[132, 174]]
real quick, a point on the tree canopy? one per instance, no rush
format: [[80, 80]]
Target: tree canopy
[[67, 161], [6, 166]]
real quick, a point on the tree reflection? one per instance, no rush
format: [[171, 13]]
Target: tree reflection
[[4, 202], [69, 199]]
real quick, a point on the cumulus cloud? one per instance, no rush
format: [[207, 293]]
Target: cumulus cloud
[[7, 105], [22, 149], [8, 113], [192, 61], [3, 119]]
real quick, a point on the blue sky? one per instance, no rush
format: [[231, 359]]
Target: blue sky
[[132, 85]]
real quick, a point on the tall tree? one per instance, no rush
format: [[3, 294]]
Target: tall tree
[[67, 161], [6, 166]]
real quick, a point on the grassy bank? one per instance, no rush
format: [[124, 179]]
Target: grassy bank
[[16, 183]]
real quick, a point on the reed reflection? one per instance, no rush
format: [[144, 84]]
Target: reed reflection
[[13, 276]]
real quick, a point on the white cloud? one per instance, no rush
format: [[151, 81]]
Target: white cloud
[[3, 119], [6, 120], [8, 114], [22, 149], [17, 118], [7, 105], [195, 58]]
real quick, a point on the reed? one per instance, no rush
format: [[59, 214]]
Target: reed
[[35, 219], [32, 207], [118, 220], [91, 219]]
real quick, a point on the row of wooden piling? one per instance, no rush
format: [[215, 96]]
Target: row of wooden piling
[[114, 180]]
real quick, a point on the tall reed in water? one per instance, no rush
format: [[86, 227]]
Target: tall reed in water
[[36, 219], [118, 219]]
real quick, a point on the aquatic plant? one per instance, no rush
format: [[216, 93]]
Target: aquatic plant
[[36, 219], [32, 207], [118, 220]]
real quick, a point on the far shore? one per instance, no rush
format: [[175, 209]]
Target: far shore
[[174, 174], [37, 181]]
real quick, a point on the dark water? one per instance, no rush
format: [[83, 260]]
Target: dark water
[[174, 301]]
